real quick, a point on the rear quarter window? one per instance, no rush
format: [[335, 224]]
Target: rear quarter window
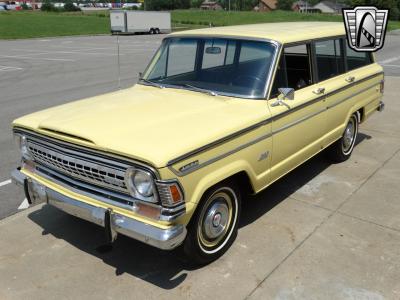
[[356, 59]]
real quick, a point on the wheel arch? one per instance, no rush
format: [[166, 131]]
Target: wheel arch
[[240, 173]]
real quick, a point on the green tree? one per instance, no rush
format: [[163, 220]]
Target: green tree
[[392, 5], [285, 4], [47, 6], [69, 6]]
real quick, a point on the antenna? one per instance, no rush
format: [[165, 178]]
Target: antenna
[[119, 65]]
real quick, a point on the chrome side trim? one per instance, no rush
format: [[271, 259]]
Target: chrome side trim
[[305, 118], [287, 126], [219, 157], [351, 96], [219, 141], [264, 122]]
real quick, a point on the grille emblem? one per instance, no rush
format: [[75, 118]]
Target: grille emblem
[[365, 27]]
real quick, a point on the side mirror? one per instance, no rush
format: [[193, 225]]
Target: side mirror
[[286, 93], [140, 75]]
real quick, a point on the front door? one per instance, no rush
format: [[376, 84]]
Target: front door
[[297, 128]]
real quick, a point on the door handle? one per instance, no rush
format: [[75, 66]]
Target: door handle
[[350, 79], [319, 90]]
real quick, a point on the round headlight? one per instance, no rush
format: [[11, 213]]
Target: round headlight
[[143, 183], [140, 184]]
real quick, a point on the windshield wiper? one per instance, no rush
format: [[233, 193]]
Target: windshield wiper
[[152, 83], [201, 90]]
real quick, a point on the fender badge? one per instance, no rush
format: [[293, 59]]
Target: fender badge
[[189, 166]]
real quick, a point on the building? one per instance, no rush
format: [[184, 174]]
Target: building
[[210, 5], [304, 6], [330, 7], [266, 5]]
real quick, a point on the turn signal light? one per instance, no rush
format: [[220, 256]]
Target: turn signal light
[[175, 194], [170, 193]]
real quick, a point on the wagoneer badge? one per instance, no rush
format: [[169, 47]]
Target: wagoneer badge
[[365, 27], [189, 166]]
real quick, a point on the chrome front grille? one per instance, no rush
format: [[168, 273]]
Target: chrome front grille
[[76, 166]]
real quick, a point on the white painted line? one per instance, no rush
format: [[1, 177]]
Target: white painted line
[[389, 60], [395, 66], [24, 204], [35, 58], [5, 182], [65, 52], [7, 68]]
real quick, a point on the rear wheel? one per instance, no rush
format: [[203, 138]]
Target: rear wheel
[[151, 31], [215, 224], [341, 150], [157, 31]]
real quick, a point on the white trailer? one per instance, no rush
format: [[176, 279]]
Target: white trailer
[[148, 21], [118, 21], [152, 22]]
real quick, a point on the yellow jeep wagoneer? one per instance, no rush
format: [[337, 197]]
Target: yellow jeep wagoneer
[[217, 113]]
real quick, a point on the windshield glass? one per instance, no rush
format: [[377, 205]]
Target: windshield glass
[[230, 67]]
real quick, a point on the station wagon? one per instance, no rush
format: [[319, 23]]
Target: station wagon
[[219, 113]]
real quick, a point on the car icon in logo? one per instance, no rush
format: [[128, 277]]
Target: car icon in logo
[[365, 27]]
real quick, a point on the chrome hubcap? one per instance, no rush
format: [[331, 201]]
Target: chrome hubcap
[[216, 220], [349, 136]]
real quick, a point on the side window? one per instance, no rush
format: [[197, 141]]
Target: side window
[[294, 69], [329, 59], [357, 59]]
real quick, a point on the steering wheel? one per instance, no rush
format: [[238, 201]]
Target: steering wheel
[[248, 81]]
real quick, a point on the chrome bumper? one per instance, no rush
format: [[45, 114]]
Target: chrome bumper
[[113, 222]]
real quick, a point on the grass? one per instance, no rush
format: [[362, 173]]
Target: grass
[[201, 18], [21, 24], [28, 24]]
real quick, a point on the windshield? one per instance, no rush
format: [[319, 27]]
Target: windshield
[[230, 67]]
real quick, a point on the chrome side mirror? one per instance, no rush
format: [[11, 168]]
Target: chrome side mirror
[[286, 93]]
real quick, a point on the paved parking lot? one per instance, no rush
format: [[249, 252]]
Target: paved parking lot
[[326, 231]]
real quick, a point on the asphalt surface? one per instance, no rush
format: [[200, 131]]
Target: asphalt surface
[[325, 231], [40, 73]]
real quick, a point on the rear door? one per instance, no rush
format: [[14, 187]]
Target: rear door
[[297, 129], [331, 77], [345, 76]]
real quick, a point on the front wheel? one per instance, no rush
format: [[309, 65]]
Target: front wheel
[[341, 150], [215, 224]]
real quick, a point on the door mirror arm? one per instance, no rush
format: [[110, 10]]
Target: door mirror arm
[[284, 94]]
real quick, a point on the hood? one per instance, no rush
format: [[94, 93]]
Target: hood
[[147, 123]]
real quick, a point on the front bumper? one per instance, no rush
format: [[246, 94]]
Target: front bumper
[[113, 222]]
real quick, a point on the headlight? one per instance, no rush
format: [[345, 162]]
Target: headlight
[[140, 184]]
